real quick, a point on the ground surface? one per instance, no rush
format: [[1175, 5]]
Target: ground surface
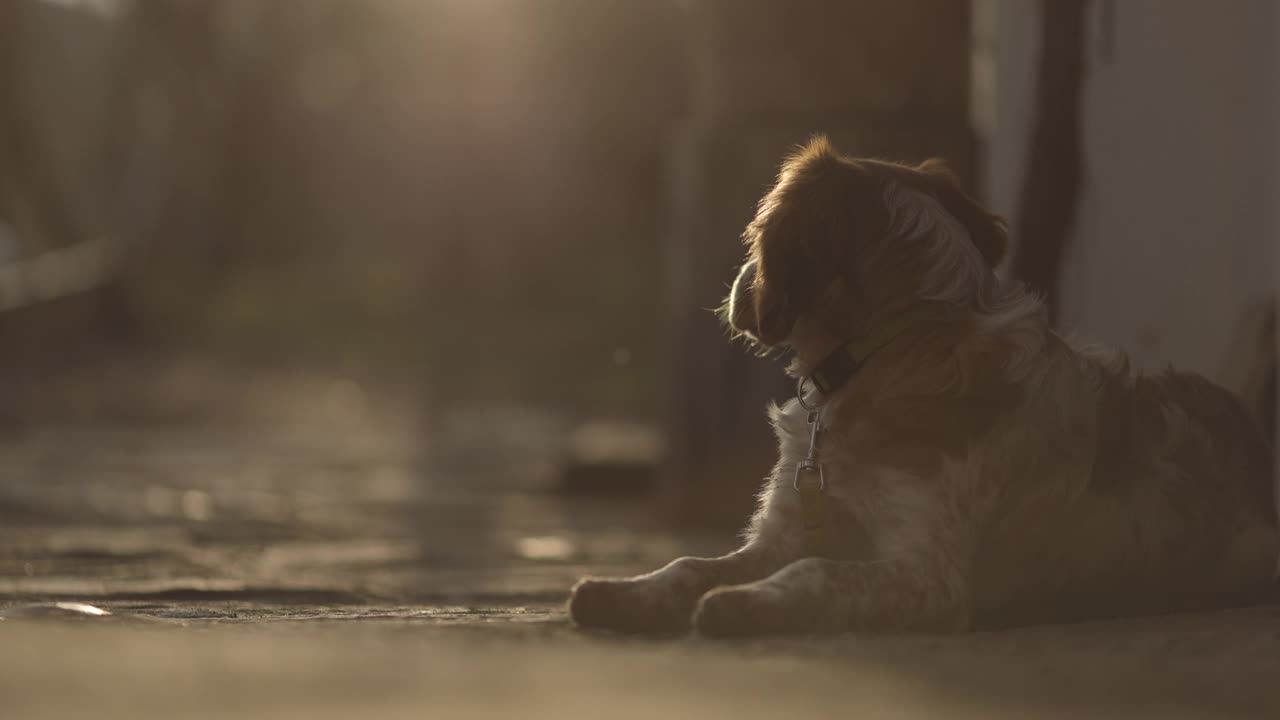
[[321, 574]]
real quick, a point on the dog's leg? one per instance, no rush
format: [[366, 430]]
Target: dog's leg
[[820, 595], [663, 600]]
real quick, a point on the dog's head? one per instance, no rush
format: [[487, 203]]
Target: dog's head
[[840, 241]]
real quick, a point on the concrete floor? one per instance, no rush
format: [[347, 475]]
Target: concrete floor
[[313, 575]]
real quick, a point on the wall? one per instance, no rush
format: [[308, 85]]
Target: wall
[[1177, 233]]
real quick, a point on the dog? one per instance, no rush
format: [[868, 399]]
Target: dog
[[949, 462]]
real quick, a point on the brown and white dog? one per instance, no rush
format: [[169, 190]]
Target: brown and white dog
[[976, 469]]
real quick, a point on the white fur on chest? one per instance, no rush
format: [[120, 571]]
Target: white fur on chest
[[791, 424], [841, 468], [884, 503]]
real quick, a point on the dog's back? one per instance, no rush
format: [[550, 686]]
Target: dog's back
[[1162, 501]]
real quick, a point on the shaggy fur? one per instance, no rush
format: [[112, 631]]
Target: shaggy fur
[[980, 470]]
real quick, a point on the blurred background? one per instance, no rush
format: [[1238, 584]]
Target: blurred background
[[408, 298]]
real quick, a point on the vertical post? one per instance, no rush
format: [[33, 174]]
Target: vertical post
[[1047, 209]]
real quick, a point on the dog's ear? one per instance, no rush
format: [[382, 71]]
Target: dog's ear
[[779, 285], [791, 237], [989, 232]]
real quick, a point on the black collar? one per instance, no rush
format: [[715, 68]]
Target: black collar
[[841, 364]]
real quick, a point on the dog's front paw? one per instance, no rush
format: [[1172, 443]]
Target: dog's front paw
[[731, 612], [628, 606], [758, 609]]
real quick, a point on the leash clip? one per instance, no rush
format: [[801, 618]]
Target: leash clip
[[809, 477]]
